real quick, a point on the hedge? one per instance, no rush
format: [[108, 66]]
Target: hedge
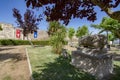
[[22, 42]]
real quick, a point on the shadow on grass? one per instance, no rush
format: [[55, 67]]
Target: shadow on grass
[[60, 70], [116, 75]]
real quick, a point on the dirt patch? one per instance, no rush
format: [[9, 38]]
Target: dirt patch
[[13, 63], [69, 48]]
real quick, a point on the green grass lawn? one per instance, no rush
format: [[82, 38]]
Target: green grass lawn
[[49, 66]]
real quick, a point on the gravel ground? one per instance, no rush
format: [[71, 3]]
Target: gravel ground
[[13, 63]]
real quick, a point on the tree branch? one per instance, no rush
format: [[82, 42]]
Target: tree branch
[[107, 9]]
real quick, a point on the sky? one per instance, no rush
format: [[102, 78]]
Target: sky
[[6, 15]]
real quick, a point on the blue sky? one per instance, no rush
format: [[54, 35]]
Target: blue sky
[[6, 16]]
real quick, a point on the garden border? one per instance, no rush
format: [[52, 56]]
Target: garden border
[[30, 68]]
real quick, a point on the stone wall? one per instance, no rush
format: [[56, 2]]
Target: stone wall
[[99, 65], [42, 35], [9, 32]]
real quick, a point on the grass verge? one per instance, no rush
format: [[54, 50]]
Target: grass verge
[[49, 66], [7, 77]]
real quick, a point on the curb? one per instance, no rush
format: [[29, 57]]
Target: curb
[[30, 68]]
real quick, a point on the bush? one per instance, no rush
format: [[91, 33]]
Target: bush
[[22, 42], [41, 42], [57, 40], [57, 44], [7, 42]]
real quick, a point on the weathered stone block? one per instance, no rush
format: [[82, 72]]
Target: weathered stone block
[[99, 65], [93, 41]]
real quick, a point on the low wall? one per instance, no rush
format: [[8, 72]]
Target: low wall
[[98, 65]]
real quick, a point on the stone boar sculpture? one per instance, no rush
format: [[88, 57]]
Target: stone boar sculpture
[[93, 41]]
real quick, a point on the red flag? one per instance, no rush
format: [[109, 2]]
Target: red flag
[[17, 33]]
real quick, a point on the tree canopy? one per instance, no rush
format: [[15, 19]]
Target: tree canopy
[[29, 21], [111, 37], [67, 9], [108, 24], [71, 32], [58, 33], [81, 31], [53, 27]]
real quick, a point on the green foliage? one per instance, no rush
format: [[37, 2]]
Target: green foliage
[[82, 31], [49, 66], [7, 77], [57, 38], [53, 27], [57, 44], [111, 37], [29, 22], [22, 42], [108, 24], [71, 32]]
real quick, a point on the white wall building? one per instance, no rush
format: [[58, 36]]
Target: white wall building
[[9, 32]]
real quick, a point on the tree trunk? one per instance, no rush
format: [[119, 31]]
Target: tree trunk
[[29, 39]]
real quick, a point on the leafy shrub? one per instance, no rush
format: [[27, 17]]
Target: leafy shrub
[[57, 39], [57, 44], [22, 42], [7, 42]]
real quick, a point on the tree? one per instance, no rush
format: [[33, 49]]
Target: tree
[[28, 23], [108, 24], [75, 9], [53, 27], [71, 32], [111, 37], [81, 31], [57, 38]]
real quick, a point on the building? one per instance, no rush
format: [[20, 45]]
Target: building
[[7, 32], [11, 32]]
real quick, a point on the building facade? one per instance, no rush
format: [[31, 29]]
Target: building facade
[[7, 31], [10, 32]]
